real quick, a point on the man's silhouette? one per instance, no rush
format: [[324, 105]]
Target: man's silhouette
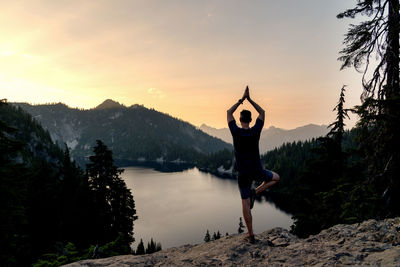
[[247, 155]]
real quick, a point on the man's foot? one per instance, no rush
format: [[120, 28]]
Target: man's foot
[[252, 198], [250, 239]]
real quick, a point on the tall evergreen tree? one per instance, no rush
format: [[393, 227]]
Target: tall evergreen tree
[[337, 127], [115, 210], [380, 110]]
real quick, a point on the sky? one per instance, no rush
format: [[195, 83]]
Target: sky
[[191, 59]]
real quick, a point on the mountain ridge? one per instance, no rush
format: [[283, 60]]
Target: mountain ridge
[[273, 137], [134, 133]]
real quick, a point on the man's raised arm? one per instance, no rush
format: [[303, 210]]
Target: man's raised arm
[[229, 112], [261, 112]]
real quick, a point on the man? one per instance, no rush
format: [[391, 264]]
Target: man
[[247, 155]]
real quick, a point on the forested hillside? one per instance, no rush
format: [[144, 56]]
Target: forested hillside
[[50, 209], [134, 133], [320, 182]]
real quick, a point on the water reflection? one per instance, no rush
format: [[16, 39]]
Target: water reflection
[[177, 208]]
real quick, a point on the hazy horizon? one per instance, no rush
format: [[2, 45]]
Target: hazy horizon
[[199, 125]]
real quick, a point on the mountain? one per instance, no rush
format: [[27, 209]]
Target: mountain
[[222, 133], [273, 137], [47, 202], [30, 180], [370, 243], [133, 133], [37, 143], [109, 103]]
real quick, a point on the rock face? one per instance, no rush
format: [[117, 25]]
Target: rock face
[[370, 243]]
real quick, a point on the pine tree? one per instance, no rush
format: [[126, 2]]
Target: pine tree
[[115, 205], [214, 236], [207, 237], [241, 226], [140, 248], [151, 247], [380, 110], [337, 127]]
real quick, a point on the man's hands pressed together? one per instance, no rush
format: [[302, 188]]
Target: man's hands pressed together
[[246, 95]]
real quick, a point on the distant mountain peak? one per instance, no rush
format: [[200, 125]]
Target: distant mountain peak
[[273, 136], [312, 125], [136, 106], [109, 103], [205, 126]]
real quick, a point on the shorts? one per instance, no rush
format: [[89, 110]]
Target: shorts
[[245, 181]]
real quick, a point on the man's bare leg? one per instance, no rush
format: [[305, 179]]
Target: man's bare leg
[[264, 186], [247, 215]]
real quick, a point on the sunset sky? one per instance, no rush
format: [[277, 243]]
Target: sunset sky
[[190, 58]]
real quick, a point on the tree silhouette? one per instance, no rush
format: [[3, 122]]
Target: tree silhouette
[[207, 237], [140, 248], [337, 127], [380, 109], [216, 236], [115, 205], [151, 247]]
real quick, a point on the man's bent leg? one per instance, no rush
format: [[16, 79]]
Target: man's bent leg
[[265, 185], [247, 215]]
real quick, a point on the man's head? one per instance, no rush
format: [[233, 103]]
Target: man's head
[[245, 116]]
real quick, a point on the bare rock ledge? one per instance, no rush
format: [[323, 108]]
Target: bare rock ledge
[[370, 243]]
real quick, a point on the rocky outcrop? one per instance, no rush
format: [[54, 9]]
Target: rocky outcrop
[[370, 243]]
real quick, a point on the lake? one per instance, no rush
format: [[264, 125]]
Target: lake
[[177, 208]]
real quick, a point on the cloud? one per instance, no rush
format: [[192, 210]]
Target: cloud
[[156, 93]]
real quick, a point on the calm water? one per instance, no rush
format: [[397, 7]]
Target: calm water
[[177, 208]]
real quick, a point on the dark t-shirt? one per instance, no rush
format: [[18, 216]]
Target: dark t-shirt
[[245, 142]]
